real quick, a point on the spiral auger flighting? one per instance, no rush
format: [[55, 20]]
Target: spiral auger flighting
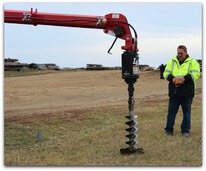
[[130, 74], [132, 136]]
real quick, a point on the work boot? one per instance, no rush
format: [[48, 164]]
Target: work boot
[[185, 134], [169, 133]]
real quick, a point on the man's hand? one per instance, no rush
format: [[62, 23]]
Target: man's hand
[[178, 80], [181, 80]]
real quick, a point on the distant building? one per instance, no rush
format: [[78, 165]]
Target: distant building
[[43, 66], [145, 68], [9, 60], [14, 65], [94, 67]]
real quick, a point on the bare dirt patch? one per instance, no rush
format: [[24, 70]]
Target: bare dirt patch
[[70, 93]]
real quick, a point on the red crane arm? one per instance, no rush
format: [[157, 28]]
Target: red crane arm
[[113, 24]]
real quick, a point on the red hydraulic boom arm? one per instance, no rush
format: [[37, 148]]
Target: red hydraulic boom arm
[[113, 24]]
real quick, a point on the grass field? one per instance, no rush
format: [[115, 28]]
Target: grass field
[[79, 117]]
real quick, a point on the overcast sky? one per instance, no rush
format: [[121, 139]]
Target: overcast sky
[[161, 27]]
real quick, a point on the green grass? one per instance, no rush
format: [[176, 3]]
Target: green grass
[[94, 138]]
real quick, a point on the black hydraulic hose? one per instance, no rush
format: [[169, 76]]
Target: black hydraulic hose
[[76, 20], [87, 20], [135, 33], [48, 19]]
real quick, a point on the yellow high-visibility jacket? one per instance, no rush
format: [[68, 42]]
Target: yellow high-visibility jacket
[[189, 69]]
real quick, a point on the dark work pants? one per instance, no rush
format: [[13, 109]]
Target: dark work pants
[[174, 103]]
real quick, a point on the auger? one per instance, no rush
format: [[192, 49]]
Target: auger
[[132, 67], [114, 24]]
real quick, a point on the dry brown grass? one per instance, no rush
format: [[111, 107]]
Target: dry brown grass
[[81, 118]]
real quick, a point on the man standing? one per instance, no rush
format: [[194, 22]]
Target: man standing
[[181, 71]]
